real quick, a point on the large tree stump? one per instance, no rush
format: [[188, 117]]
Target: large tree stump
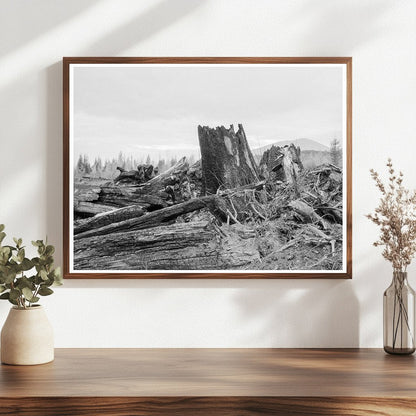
[[227, 161], [281, 163]]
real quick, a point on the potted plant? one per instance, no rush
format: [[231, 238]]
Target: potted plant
[[396, 217], [27, 336]]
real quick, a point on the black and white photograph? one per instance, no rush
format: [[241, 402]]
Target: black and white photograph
[[220, 168]]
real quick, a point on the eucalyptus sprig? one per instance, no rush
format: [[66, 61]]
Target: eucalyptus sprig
[[16, 285]]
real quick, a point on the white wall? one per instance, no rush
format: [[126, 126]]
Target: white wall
[[380, 35]]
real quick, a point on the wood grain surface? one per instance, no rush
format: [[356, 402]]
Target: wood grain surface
[[208, 381]]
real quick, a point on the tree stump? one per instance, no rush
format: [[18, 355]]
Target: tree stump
[[281, 163], [227, 161]]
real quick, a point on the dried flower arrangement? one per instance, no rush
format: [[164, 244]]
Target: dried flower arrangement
[[396, 217]]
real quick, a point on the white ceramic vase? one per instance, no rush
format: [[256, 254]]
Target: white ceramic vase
[[27, 337]]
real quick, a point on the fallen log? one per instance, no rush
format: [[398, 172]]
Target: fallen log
[[170, 177], [91, 208], [185, 246], [123, 196], [156, 193], [152, 219], [142, 174], [86, 195], [83, 191], [307, 213], [116, 215]]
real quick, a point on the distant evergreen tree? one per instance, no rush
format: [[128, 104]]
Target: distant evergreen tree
[[80, 164], [121, 160], [173, 161], [161, 165], [98, 166], [86, 165], [335, 152], [191, 159]]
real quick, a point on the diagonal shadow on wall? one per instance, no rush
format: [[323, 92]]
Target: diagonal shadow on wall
[[35, 18], [153, 20]]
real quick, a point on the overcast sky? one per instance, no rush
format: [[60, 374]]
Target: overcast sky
[[155, 110]]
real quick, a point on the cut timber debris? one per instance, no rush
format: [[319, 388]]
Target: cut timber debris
[[143, 174], [106, 218], [307, 212], [150, 220], [186, 246], [91, 208], [156, 193]]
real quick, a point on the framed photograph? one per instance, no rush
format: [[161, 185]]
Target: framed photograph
[[207, 167]]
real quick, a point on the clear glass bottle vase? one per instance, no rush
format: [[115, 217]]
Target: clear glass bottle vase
[[399, 316]]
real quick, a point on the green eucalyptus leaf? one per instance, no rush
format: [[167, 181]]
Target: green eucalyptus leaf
[[38, 280], [3, 258], [15, 293], [2, 227], [21, 255], [26, 264], [2, 236], [2, 288], [45, 291], [48, 260], [9, 277], [43, 274], [58, 276], [49, 250], [13, 302], [24, 282], [27, 293], [5, 250], [5, 295]]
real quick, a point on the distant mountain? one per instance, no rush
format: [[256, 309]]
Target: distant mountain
[[304, 144]]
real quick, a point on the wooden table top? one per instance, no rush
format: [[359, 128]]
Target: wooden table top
[[214, 372]]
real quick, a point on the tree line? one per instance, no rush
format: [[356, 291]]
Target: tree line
[[107, 169]]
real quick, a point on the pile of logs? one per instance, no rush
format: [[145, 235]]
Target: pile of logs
[[206, 216]]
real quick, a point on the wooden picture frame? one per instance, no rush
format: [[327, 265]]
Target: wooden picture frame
[[89, 115]]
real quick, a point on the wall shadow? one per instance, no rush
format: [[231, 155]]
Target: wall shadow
[[37, 17], [301, 313], [155, 19], [328, 24]]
